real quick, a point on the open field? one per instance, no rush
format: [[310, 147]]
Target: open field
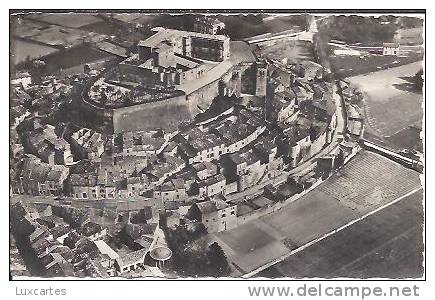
[[73, 20], [252, 245], [367, 182], [51, 34], [387, 244], [310, 217], [75, 57], [21, 50], [370, 181], [391, 104], [295, 50], [351, 65], [408, 138], [412, 36]]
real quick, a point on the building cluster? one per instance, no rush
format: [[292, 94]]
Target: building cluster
[[302, 107], [35, 98], [109, 178], [208, 25], [355, 121], [146, 173], [34, 177], [390, 49], [17, 264], [64, 241], [47, 144], [173, 71], [88, 143], [174, 57]]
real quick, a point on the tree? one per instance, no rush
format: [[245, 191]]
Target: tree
[[418, 80], [37, 69], [339, 160], [313, 133], [218, 261]]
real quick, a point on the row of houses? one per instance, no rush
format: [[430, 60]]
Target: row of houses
[[222, 136], [48, 143], [109, 178], [233, 173], [34, 177], [355, 121]]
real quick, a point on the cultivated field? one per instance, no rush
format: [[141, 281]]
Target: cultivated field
[[370, 181], [367, 182], [310, 217], [22, 50], [391, 103], [52, 34], [73, 20], [75, 57], [387, 244]]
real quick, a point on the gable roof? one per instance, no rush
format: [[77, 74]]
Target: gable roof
[[105, 249], [132, 258]]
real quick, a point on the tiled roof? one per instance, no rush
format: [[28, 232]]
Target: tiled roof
[[132, 258]]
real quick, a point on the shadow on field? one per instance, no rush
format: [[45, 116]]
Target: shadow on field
[[409, 79], [408, 87]]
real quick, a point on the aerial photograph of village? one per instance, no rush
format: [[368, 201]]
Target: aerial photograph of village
[[204, 144]]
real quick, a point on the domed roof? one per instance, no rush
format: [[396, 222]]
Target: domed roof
[[161, 253]]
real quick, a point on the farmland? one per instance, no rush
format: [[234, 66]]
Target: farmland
[[391, 104], [72, 20], [346, 66], [387, 244], [23, 50], [366, 183], [75, 57]]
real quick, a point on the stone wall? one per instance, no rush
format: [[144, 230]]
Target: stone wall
[[166, 114]]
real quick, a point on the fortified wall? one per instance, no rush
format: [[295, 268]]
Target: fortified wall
[[235, 71]]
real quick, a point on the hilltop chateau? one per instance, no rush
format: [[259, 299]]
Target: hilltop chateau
[[174, 76]]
